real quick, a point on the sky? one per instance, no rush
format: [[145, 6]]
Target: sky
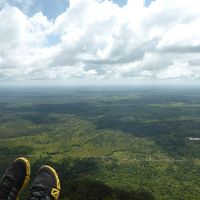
[[99, 41]]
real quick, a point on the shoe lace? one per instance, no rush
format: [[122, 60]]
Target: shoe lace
[[6, 186], [38, 193]]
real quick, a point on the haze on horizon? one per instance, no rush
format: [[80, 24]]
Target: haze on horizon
[[99, 42]]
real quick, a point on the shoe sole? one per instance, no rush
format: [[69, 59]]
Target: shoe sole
[[55, 192], [28, 173]]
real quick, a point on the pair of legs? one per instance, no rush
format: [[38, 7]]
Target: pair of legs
[[46, 184]]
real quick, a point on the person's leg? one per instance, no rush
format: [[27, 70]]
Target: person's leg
[[15, 179], [46, 185]]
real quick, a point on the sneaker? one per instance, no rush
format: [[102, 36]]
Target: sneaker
[[15, 179], [46, 185]]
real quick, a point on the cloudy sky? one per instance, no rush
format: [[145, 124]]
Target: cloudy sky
[[104, 41]]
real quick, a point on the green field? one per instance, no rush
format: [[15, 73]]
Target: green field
[[114, 143]]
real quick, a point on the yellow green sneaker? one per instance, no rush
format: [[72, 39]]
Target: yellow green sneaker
[[46, 185], [15, 179]]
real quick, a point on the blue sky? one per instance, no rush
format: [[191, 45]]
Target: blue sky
[[148, 2], [95, 40], [52, 8], [120, 2]]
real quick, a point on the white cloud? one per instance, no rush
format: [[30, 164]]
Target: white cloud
[[177, 70], [2, 3], [100, 40]]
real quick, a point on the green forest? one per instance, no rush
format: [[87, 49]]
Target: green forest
[[114, 143]]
